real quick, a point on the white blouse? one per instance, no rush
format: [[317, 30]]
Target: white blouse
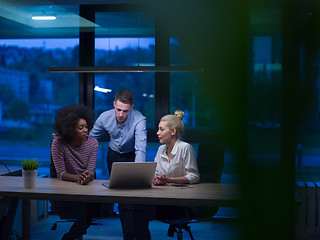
[[183, 162]]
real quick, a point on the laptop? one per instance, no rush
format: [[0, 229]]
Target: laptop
[[131, 175]]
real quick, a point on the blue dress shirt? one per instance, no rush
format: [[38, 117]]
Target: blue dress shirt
[[128, 137]]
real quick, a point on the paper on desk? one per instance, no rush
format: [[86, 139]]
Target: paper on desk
[[178, 185]]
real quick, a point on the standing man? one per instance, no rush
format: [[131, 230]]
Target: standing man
[[128, 143], [127, 129]]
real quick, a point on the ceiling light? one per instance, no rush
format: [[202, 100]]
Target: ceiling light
[[44, 18], [104, 90]]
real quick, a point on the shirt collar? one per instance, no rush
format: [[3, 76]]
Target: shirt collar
[[175, 147]]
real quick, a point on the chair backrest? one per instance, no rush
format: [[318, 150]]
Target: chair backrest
[[210, 161], [53, 171]]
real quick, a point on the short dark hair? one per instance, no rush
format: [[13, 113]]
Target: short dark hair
[[67, 118], [124, 96]]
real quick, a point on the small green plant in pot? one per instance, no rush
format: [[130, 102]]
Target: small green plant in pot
[[29, 173], [30, 164]]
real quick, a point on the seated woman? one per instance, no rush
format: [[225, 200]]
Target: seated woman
[[74, 155], [176, 161]]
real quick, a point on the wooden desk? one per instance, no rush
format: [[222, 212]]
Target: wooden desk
[[204, 194]]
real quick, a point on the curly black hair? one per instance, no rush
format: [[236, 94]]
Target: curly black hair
[[68, 117]]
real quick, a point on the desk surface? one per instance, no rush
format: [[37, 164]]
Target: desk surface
[[203, 194]]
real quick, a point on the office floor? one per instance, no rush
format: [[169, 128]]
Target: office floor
[[111, 229]]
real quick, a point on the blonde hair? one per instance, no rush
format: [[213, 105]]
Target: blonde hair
[[175, 122]]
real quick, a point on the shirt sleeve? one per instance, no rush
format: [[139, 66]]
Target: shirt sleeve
[[57, 157], [93, 157], [191, 166], [140, 144], [98, 130]]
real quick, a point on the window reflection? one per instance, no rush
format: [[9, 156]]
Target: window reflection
[[124, 39], [30, 96]]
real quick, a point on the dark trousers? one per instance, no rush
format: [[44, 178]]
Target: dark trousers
[[135, 221], [114, 156]]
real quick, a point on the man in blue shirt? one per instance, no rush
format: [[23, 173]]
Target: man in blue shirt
[[128, 143], [127, 129]]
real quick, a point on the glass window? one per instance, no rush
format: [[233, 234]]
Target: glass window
[[186, 93], [183, 96], [29, 96], [308, 131], [264, 100], [124, 39]]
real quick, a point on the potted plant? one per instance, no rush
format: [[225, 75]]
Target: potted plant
[[29, 172]]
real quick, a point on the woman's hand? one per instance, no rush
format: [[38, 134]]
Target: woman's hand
[[55, 135], [163, 180], [160, 180], [84, 177]]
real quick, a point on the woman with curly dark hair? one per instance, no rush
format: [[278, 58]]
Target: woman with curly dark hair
[[68, 117], [74, 154]]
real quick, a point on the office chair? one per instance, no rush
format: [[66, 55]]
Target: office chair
[[210, 162], [54, 204], [57, 206]]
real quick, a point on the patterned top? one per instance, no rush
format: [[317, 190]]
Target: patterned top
[[131, 136], [183, 162], [74, 160]]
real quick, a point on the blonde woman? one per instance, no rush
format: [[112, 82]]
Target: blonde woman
[[176, 161]]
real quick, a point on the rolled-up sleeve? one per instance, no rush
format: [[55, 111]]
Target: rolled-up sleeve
[[57, 157], [140, 144], [98, 130], [191, 166], [93, 156]]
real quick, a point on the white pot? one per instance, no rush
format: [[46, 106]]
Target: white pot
[[29, 178]]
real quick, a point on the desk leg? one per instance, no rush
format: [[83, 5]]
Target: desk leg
[[8, 205], [26, 219]]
